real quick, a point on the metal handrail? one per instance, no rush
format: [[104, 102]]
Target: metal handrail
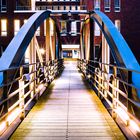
[[106, 88], [35, 84], [111, 65]]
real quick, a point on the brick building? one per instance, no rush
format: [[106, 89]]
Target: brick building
[[124, 14]]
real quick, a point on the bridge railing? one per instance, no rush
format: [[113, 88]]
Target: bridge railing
[[21, 86], [114, 85]]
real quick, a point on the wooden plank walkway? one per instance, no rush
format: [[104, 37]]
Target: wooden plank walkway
[[69, 110]]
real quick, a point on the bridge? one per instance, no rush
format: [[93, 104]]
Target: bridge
[[48, 98]]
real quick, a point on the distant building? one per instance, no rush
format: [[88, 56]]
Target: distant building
[[125, 14]]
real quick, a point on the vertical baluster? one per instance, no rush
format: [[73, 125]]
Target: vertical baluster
[[21, 95], [129, 94], [5, 93], [114, 93]]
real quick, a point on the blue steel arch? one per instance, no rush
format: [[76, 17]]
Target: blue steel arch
[[17, 47], [120, 49], [122, 53]]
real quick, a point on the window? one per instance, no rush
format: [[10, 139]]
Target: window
[[55, 7], [107, 4], [117, 5], [3, 4], [63, 27], [78, 7], [97, 30], [3, 27], [67, 7], [118, 25], [73, 7], [48, 7], [97, 4], [61, 7], [16, 26], [73, 28], [67, 54]]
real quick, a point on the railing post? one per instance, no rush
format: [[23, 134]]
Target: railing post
[[5, 94], [114, 93], [21, 95], [129, 92], [52, 70], [99, 86], [38, 73], [32, 84]]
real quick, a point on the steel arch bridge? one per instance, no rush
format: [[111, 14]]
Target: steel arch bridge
[[126, 67]]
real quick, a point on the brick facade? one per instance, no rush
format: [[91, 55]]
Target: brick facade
[[129, 16]]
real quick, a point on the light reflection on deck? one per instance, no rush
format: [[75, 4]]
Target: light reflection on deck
[[69, 110]]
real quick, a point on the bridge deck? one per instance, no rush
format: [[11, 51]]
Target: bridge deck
[[68, 111]]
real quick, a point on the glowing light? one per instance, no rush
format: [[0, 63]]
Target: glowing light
[[123, 115], [70, 63], [2, 127], [89, 76], [50, 77], [4, 27], [16, 26], [13, 115], [42, 51], [40, 87], [134, 126]]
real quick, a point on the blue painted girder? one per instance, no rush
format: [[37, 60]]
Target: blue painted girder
[[120, 49]]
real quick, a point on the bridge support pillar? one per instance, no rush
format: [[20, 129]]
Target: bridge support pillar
[[21, 95], [105, 60], [90, 50], [114, 93], [32, 68], [82, 45], [52, 40], [47, 41]]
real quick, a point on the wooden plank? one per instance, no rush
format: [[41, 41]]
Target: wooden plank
[[68, 111]]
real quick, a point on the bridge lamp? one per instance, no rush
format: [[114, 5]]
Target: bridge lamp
[[88, 76], [69, 14]]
